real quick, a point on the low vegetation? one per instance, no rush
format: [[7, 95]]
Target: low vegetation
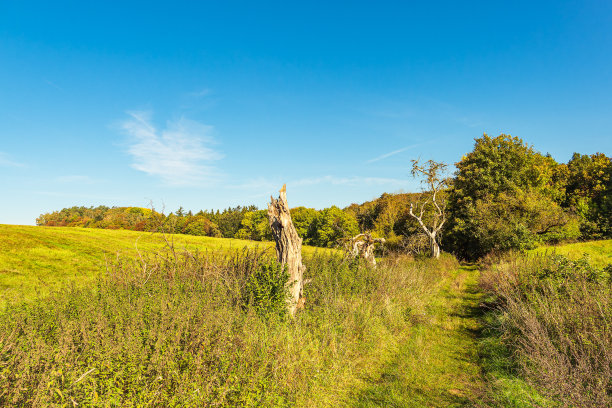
[[549, 340], [181, 328], [35, 261]]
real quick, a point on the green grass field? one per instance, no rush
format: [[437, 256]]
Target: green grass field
[[35, 261], [391, 336], [409, 333], [599, 252]]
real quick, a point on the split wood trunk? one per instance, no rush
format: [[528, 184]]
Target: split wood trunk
[[288, 247], [363, 246]]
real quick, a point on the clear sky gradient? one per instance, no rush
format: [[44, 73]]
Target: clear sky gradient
[[213, 104]]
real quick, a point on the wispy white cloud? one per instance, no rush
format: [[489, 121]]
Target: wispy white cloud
[[180, 154], [393, 153], [54, 85], [7, 161]]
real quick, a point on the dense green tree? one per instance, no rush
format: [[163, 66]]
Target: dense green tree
[[230, 219], [505, 195], [589, 193], [200, 225], [388, 217], [255, 226], [332, 226], [303, 219]]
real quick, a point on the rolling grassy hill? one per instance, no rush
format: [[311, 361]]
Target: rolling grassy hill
[[599, 252], [34, 261]]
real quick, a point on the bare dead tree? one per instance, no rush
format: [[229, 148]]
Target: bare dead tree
[[416, 244], [362, 245], [288, 247], [430, 209]]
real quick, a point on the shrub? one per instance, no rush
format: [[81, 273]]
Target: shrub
[[266, 289], [505, 196]]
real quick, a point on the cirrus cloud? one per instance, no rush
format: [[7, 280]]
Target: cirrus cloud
[[180, 154], [7, 161]]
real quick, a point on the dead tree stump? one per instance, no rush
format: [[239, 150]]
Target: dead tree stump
[[362, 245], [288, 247]]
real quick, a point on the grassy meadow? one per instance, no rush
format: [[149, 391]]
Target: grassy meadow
[[598, 252], [193, 328], [97, 317], [34, 261], [547, 340]]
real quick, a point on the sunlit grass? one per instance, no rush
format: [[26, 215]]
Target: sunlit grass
[[545, 342], [180, 332], [35, 261], [599, 252]]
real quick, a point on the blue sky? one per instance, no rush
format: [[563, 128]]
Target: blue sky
[[212, 104]]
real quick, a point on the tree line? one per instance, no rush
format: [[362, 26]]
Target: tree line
[[324, 228], [503, 195]]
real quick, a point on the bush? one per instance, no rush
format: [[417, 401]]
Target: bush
[[505, 196], [266, 289]]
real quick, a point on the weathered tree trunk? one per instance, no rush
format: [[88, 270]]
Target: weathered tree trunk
[[363, 245], [288, 247], [435, 248], [433, 243]]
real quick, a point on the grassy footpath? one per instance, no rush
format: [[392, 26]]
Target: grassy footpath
[[437, 363], [34, 261]]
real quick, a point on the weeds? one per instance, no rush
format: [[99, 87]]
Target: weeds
[[553, 318], [179, 328]]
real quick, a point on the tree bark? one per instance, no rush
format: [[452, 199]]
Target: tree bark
[[433, 243], [435, 248], [288, 247], [363, 245]]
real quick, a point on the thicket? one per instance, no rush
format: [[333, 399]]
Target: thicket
[[549, 323], [202, 329]]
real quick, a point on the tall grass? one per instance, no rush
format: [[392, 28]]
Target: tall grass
[[35, 261], [186, 329], [554, 316]]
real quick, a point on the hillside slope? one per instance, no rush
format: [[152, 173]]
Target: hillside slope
[[36, 260], [599, 252]]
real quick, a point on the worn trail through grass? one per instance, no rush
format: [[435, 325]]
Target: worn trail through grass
[[437, 363]]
